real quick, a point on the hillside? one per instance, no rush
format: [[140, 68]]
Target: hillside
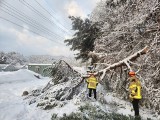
[[50, 59], [12, 85], [129, 26], [19, 59], [66, 93]]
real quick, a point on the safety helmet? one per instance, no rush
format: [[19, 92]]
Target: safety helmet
[[131, 73]]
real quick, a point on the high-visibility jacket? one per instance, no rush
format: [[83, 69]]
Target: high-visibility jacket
[[92, 82], [135, 89]]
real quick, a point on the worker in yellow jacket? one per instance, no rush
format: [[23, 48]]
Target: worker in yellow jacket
[[92, 84], [135, 92]]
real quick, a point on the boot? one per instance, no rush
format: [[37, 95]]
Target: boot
[[137, 117]]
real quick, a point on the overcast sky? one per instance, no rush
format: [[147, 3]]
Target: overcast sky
[[39, 27]]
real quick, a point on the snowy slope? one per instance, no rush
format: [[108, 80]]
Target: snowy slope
[[14, 107], [17, 76], [12, 85]]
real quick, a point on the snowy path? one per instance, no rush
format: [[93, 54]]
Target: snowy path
[[12, 105]]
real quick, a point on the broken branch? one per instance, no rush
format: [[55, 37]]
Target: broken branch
[[124, 62]]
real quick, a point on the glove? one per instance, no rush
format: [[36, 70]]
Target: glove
[[130, 97]]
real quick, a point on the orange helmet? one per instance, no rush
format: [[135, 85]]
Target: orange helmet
[[131, 73]]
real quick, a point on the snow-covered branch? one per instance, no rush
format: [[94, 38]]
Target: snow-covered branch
[[129, 67], [97, 55], [102, 64], [124, 62]]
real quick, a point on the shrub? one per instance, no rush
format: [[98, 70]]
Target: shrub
[[89, 112]]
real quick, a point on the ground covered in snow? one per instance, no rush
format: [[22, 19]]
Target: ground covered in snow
[[14, 106]]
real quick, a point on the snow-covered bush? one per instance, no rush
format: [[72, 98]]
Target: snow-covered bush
[[90, 112]]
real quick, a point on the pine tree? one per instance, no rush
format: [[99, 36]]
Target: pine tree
[[85, 34]]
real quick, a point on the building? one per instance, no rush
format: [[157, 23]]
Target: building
[[40, 68]]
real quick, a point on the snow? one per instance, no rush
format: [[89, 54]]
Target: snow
[[12, 103], [14, 107], [81, 70], [125, 108], [17, 76], [67, 109]]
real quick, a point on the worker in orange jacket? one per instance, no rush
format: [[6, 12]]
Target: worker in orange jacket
[[135, 92]]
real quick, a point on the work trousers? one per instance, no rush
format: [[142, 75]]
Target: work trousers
[[135, 104], [90, 92]]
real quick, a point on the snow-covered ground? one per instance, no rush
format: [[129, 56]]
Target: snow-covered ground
[[14, 107], [126, 108]]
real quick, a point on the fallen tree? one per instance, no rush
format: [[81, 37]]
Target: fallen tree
[[66, 83], [124, 62]]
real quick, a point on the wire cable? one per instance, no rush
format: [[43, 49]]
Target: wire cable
[[30, 30], [50, 14], [37, 26], [40, 14], [55, 11]]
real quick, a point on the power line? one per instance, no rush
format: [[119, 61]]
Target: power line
[[26, 22], [24, 15], [29, 30], [52, 9], [40, 14], [30, 21], [55, 11], [62, 26], [50, 14]]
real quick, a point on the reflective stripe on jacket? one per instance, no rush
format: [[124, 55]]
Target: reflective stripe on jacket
[[135, 89], [92, 82]]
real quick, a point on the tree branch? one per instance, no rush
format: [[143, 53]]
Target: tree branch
[[124, 62]]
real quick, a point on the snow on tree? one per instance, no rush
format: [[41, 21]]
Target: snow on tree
[[130, 41], [12, 58], [41, 59], [48, 59], [129, 26], [2, 58], [16, 58], [85, 34]]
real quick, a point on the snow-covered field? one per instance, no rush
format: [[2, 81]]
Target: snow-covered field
[[14, 107]]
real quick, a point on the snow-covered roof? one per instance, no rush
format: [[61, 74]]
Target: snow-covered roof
[[38, 64], [3, 65], [20, 66], [6, 66]]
